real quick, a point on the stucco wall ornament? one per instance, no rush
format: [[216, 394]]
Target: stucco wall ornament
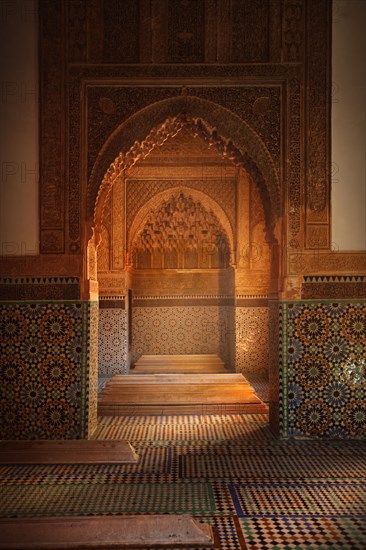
[[170, 128], [180, 234]]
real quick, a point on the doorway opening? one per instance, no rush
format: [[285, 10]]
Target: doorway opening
[[185, 260]]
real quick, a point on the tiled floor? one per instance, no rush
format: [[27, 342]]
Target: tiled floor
[[229, 471]]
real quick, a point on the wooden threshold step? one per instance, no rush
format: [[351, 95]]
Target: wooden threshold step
[[81, 451], [104, 532], [180, 367], [188, 357], [119, 409], [177, 378]]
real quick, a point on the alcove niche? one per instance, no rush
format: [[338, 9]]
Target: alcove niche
[[184, 260]]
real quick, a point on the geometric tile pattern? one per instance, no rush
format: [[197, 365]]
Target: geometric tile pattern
[[228, 471], [297, 533], [298, 499], [251, 334], [183, 330], [91, 378], [276, 370], [319, 398], [159, 498], [113, 346], [44, 352]]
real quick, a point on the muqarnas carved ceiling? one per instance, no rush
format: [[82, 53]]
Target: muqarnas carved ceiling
[[182, 233]]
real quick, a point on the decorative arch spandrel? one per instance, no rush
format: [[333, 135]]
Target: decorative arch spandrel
[[140, 134]]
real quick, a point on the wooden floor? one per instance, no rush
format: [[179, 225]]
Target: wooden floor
[[175, 389]]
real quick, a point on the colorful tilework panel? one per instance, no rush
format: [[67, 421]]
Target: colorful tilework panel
[[299, 499], [91, 336], [148, 498], [183, 330], [44, 356], [229, 471], [251, 337], [299, 533], [324, 362], [113, 344]]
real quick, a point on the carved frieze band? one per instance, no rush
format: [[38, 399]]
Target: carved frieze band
[[77, 16], [181, 301], [317, 132], [51, 103], [112, 302], [337, 287], [50, 264], [330, 262], [295, 168], [39, 288], [293, 30]]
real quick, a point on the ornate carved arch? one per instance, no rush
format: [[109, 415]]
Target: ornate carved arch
[[156, 202], [231, 136]]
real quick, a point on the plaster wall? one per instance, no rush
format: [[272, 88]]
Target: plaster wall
[[349, 125], [19, 129]]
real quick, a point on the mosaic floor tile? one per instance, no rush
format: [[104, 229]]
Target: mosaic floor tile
[[58, 500], [228, 532], [299, 499], [229, 471], [299, 533], [217, 465]]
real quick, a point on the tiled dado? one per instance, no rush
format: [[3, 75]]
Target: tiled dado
[[204, 324], [48, 369], [113, 336], [319, 397], [251, 339], [174, 330]]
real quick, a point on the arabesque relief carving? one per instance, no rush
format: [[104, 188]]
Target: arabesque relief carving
[[284, 38], [182, 234], [293, 26], [317, 115], [171, 127]]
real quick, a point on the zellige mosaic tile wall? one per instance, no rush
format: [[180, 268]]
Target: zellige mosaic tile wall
[[251, 336], [47, 391], [324, 343], [189, 329], [113, 340]]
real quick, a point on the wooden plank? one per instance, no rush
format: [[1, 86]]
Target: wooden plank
[[183, 369], [201, 363], [166, 398], [163, 378], [67, 452], [157, 410], [104, 532], [181, 357], [180, 390]]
